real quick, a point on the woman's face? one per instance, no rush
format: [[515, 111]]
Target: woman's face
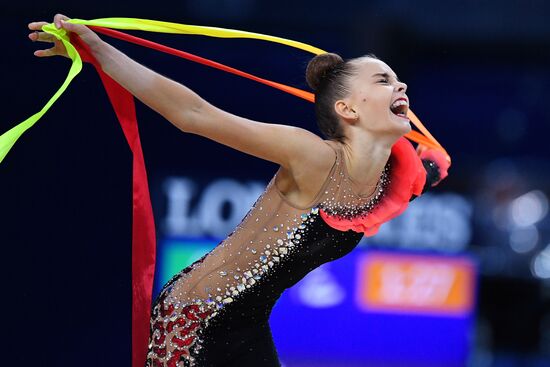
[[378, 98]]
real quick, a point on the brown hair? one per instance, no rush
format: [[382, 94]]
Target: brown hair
[[329, 76]]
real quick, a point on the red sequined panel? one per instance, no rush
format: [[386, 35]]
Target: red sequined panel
[[173, 332]]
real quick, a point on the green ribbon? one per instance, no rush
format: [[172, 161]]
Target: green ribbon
[[8, 139]]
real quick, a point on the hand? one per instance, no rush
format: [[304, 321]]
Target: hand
[[58, 49]]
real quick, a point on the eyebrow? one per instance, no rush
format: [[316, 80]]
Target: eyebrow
[[386, 75]]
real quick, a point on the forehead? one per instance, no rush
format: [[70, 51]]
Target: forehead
[[369, 67]]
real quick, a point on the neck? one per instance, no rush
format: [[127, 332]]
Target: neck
[[366, 156]]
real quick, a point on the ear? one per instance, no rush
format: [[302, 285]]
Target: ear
[[345, 111]]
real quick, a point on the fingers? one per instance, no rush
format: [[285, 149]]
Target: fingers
[[42, 36], [60, 21], [36, 26], [45, 53], [58, 18]]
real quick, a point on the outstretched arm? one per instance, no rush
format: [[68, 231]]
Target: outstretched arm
[[286, 145]]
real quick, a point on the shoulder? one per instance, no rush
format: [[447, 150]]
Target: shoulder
[[308, 172], [316, 157]]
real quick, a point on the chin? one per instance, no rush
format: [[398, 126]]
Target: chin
[[407, 128], [401, 126]]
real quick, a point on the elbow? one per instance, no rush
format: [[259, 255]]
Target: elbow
[[187, 118]]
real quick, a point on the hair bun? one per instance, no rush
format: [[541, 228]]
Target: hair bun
[[319, 66]]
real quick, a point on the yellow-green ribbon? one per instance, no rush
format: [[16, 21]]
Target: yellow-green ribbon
[[167, 27], [8, 139]]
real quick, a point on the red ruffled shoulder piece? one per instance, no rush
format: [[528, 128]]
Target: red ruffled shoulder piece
[[407, 177]]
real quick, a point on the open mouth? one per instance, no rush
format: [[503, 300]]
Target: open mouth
[[400, 107]]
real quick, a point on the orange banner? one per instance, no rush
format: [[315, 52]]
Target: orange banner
[[405, 283]]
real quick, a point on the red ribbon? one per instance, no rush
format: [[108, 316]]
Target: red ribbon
[[143, 226], [201, 60]]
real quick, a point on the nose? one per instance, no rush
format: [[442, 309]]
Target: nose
[[401, 87]]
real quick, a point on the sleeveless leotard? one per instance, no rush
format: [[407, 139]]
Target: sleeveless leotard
[[215, 312]]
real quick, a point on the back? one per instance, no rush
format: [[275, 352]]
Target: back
[[275, 245]]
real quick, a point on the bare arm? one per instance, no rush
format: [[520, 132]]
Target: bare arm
[[190, 113], [288, 146]]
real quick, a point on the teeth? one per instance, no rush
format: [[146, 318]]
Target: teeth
[[399, 103]]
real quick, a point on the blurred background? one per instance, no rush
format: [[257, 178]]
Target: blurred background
[[461, 279]]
